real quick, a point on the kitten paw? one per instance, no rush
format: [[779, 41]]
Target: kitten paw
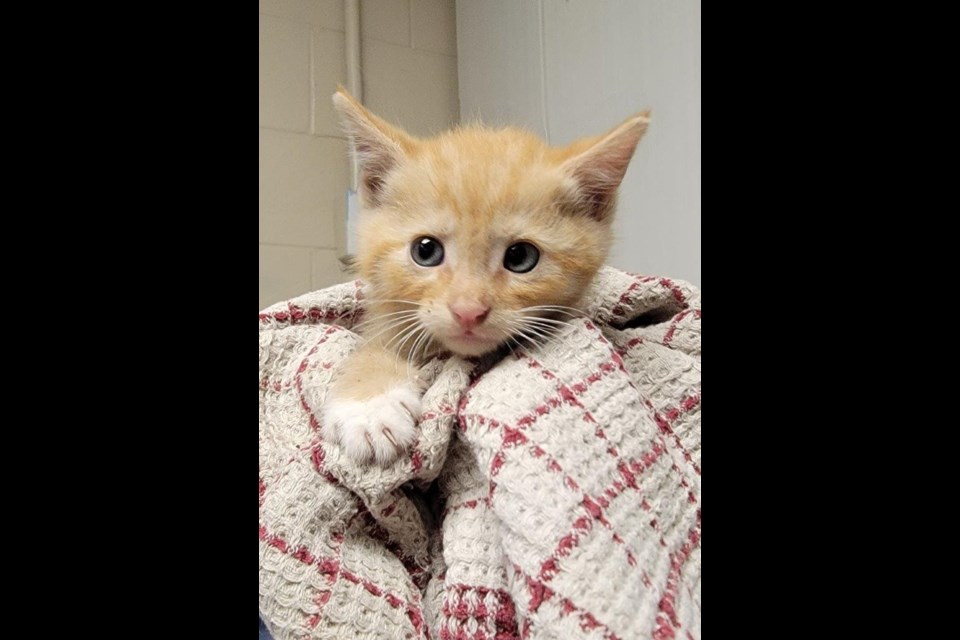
[[382, 427]]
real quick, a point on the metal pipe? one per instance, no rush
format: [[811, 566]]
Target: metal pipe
[[354, 78]]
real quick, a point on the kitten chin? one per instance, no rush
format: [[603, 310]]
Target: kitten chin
[[471, 346], [471, 241]]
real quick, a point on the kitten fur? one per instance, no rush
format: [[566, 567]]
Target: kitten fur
[[477, 191]]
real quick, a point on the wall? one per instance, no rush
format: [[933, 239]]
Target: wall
[[409, 64], [569, 68]]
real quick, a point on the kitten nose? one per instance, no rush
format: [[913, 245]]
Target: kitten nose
[[469, 314]]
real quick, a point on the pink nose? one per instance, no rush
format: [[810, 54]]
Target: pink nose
[[469, 314]]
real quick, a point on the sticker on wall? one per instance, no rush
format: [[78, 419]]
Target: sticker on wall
[[353, 210]]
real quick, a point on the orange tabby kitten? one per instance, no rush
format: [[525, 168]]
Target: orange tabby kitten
[[467, 241]]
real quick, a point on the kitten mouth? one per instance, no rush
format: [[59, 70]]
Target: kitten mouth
[[469, 343], [469, 336]]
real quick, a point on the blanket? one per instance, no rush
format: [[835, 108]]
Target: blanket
[[552, 494]]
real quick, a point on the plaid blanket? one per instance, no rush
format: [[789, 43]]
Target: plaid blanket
[[552, 494]]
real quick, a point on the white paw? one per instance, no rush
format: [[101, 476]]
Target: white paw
[[382, 427]]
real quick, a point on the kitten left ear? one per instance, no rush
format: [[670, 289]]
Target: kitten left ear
[[378, 145], [599, 170]]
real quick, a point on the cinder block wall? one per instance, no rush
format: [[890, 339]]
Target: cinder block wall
[[409, 66]]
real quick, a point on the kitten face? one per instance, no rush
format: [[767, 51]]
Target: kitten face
[[478, 237]]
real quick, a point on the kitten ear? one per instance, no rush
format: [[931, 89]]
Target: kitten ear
[[377, 145], [599, 164]]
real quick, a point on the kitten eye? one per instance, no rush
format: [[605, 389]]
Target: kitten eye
[[521, 257], [426, 251]]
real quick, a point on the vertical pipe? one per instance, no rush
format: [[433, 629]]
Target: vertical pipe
[[354, 78]]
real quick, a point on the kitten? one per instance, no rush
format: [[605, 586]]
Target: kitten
[[467, 241]]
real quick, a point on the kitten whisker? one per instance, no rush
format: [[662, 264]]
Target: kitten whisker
[[573, 311], [379, 300], [393, 313], [394, 328], [548, 322], [411, 354], [409, 363], [545, 330], [399, 351], [421, 344], [426, 345], [400, 326], [550, 329], [376, 320], [537, 332], [532, 340], [541, 323], [530, 332], [403, 336]]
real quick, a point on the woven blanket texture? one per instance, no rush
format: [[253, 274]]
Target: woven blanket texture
[[554, 494]]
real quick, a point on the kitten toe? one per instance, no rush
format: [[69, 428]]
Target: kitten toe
[[330, 423], [344, 423], [396, 412], [389, 436]]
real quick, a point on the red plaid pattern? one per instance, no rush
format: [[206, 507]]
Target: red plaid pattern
[[567, 482]]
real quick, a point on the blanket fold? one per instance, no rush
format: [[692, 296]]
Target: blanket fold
[[555, 494]]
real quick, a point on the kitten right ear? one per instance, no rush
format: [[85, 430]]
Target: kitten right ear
[[378, 146], [599, 164]]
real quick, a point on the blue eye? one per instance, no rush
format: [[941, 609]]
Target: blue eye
[[426, 251], [521, 257]]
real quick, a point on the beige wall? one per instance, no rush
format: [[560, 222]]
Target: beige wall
[[569, 68], [409, 65]]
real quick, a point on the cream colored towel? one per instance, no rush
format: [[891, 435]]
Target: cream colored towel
[[554, 495]]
